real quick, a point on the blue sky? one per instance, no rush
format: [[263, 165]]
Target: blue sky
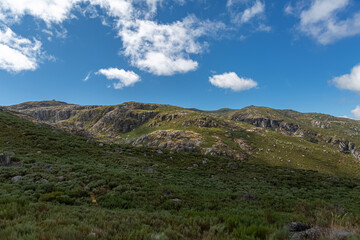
[[302, 55]]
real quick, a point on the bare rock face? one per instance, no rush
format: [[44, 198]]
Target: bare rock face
[[167, 117], [202, 122], [320, 124], [185, 141], [288, 128], [222, 149]]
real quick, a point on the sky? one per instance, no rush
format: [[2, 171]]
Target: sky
[[207, 54]]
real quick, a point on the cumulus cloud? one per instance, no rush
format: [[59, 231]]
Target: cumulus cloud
[[349, 81], [322, 20], [161, 49], [356, 112], [125, 78], [165, 49], [48, 10], [18, 53], [232, 81]]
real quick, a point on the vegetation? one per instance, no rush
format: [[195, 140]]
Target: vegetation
[[73, 188]]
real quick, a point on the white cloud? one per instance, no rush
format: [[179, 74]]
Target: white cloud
[[232, 81], [257, 9], [321, 20], [18, 53], [241, 17], [164, 49], [51, 11], [87, 77], [125, 78], [161, 49], [356, 112], [349, 81]]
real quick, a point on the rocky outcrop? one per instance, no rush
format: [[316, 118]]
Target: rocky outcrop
[[320, 124], [186, 141], [345, 146], [288, 128], [122, 120], [222, 149], [51, 114], [202, 122], [167, 117]]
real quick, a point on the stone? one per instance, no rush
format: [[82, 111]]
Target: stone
[[48, 167], [159, 151], [150, 170], [167, 193], [5, 160], [176, 200], [38, 152], [61, 178], [297, 226], [101, 144], [16, 178]]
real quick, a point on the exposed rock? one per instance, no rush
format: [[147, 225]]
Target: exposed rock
[[165, 118], [150, 170], [159, 151], [316, 233], [288, 128], [297, 226], [5, 160], [320, 124], [176, 200], [61, 178], [48, 167], [201, 122], [16, 178], [186, 141], [222, 149], [345, 146], [167, 193]]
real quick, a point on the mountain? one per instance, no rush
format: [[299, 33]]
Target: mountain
[[58, 185], [257, 134]]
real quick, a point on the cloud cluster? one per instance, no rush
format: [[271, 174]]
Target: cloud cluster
[[322, 20], [18, 53], [161, 49], [349, 81], [164, 49], [125, 78], [232, 81]]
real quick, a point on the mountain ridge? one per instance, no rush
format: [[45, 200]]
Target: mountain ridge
[[278, 137]]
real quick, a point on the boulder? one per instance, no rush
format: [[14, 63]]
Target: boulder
[[16, 178]]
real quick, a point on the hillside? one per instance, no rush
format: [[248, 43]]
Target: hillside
[[56, 185], [255, 134]]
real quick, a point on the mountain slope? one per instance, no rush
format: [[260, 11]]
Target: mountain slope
[[256, 134], [56, 185]]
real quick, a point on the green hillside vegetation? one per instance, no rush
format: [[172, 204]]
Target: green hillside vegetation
[[75, 188]]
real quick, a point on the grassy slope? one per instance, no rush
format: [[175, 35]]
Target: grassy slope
[[131, 203], [270, 147]]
